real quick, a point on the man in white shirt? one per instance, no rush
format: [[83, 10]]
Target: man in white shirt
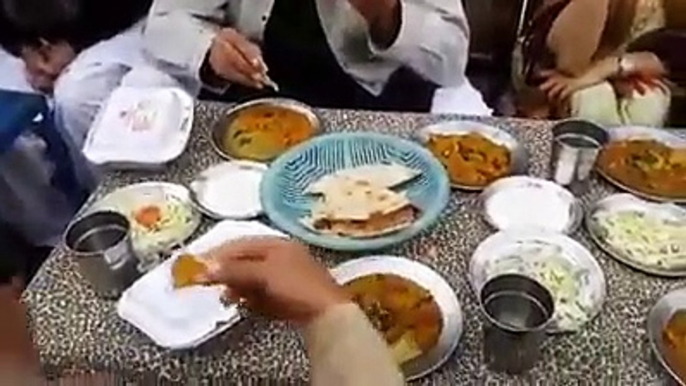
[[381, 54]]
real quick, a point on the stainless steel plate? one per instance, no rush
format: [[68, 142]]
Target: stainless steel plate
[[427, 278], [658, 318], [549, 255], [518, 153], [527, 202], [627, 202], [204, 194], [220, 127], [636, 133], [127, 199]]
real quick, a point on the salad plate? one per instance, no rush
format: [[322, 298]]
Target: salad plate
[[567, 269], [646, 236], [161, 214]]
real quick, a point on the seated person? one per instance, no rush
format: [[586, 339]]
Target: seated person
[[76, 51], [362, 54], [570, 42]]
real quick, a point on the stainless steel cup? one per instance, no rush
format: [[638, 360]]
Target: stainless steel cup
[[576, 145], [517, 310], [101, 244]]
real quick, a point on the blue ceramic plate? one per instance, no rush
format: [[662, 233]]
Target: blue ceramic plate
[[283, 186]]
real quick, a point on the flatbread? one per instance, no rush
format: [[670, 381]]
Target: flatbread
[[354, 200], [375, 226], [381, 175]]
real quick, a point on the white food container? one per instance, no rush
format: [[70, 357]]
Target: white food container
[[140, 128], [184, 318]]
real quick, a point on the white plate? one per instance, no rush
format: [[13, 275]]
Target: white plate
[[229, 190], [140, 128], [129, 198], [523, 202], [500, 254], [426, 278], [185, 318], [628, 203]]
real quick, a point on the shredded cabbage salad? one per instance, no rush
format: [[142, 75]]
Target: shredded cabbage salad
[[174, 222], [645, 238], [547, 264]]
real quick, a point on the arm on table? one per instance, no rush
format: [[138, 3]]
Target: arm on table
[[432, 39], [345, 350]]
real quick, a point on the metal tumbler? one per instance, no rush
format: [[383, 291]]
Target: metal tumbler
[[517, 310], [101, 244], [576, 145]]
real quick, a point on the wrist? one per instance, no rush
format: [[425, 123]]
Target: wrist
[[326, 301]]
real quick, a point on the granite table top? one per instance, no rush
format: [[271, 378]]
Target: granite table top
[[75, 331]]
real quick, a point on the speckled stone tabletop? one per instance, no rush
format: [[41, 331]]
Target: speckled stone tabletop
[[76, 331]]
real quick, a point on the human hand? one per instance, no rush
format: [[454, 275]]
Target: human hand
[[626, 87], [645, 64], [236, 59], [275, 277]]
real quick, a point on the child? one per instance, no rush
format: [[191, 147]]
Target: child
[[78, 52]]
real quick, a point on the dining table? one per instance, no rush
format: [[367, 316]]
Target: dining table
[[76, 331]]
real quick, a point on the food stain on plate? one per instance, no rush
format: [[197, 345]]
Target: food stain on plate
[[406, 314]]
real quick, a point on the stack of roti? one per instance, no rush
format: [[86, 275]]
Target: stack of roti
[[359, 202]]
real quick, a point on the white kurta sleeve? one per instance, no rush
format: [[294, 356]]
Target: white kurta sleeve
[[433, 40], [345, 350], [179, 33]]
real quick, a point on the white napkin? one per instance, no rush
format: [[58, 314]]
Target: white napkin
[[185, 318]]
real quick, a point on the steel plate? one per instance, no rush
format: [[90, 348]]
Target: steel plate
[[427, 278], [201, 199], [658, 317], [518, 153], [503, 253], [219, 128], [625, 201], [635, 133], [571, 203]]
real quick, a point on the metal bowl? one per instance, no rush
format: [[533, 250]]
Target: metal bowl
[[518, 154], [622, 202], [426, 278], [658, 317], [219, 128], [571, 203], [636, 133]]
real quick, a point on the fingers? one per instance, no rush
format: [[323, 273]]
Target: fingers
[[556, 89], [247, 56]]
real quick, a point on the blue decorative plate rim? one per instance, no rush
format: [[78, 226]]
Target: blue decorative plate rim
[[428, 218]]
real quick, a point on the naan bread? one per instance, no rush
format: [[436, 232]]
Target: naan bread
[[355, 200], [375, 226], [381, 175]]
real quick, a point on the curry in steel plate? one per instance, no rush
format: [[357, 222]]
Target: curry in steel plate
[[471, 159], [646, 166], [406, 314], [674, 341], [263, 132]]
